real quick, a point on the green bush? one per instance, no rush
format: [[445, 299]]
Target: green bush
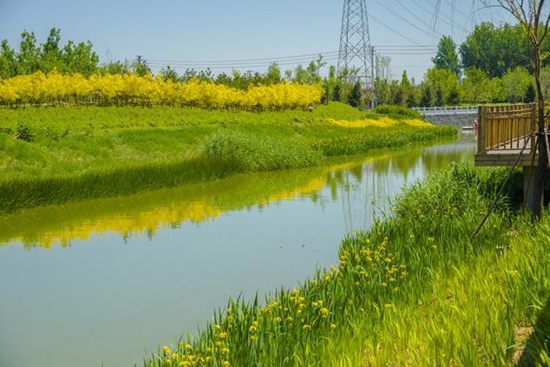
[[256, 153], [397, 111]]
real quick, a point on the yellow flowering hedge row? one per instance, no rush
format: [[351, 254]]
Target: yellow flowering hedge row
[[125, 89]]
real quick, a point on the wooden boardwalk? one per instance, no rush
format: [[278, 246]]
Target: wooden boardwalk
[[503, 132]]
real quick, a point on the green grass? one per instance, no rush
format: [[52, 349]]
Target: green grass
[[53, 155], [412, 290]]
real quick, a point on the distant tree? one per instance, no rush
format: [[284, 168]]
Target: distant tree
[[169, 74], [447, 57], [455, 97], [427, 98], [398, 97], [531, 94], [495, 50], [515, 84], [115, 67], [28, 58], [337, 94], [439, 99], [140, 67], [355, 97], [405, 88], [441, 81], [8, 61], [476, 86], [273, 75]]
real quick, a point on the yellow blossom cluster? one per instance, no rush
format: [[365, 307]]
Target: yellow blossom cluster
[[382, 121], [132, 89]]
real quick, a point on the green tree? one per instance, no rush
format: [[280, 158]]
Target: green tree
[[170, 74], [531, 94], [515, 84], [51, 53], [8, 61], [427, 97], [273, 75], [477, 86], [447, 57], [455, 97], [28, 58], [355, 97], [441, 82], [495, 50]]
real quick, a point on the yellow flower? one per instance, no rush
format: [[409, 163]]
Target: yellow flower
[[252, 329], [333, 326], [222, 335], [184, 364], [306, 327], [367, 240], [225, 350], [289, 319], [324, 312], [166, 350], [225, 364], [513, 272], [217, 327], [389, 305]]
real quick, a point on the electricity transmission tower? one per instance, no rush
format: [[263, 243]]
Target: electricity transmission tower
[[356, 53]]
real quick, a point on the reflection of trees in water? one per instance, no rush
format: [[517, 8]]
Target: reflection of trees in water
[[381, 180]]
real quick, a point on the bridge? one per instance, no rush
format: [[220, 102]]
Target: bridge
[[506, 138], [447, 110], [458, 116], [504, 132]]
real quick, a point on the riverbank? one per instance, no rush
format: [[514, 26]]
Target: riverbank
[[411, 290], [54, 155]]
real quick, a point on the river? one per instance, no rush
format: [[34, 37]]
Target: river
[[107, 281]]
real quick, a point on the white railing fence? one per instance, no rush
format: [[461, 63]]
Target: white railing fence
[[447, 110]]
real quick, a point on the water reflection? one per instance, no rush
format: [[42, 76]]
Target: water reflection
[[145, 214]]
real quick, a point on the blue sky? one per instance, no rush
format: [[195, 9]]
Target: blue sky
[[235, 29]]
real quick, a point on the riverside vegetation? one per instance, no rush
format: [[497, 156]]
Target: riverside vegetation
[[55, 154], [413, 290]]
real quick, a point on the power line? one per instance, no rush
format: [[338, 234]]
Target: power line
[[393, 30], [406, 20], [414, 15], [443, 19]]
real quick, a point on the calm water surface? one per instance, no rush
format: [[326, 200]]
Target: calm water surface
[[107, 281]]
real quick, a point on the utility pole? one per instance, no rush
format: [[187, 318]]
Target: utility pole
[[356, 52]]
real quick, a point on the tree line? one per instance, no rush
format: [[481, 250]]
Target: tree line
[[491, 65]]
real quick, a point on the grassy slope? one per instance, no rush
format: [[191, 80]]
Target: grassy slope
[[84, 152], [411, 291]]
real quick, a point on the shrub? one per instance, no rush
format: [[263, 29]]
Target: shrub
[[397, 110], [257, 153]]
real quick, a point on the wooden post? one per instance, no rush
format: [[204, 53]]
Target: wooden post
[[534, 127], [482, 129]]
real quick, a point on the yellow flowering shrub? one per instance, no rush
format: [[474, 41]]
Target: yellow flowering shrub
[[124, 89]]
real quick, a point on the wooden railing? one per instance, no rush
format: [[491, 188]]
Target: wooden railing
[[502, 128]]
